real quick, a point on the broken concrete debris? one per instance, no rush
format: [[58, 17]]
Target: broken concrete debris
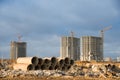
[[73, 71], [86, 70]]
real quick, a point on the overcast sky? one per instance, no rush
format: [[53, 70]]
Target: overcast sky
[[42, 22]]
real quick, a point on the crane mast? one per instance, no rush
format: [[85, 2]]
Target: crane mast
[[102, 36], [19, 37], [103, 30], [72, 35]]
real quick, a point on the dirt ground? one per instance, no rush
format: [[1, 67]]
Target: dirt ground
[[58, 78]]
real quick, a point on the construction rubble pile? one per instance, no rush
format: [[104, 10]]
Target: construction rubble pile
[[65, 67], [95, 70]]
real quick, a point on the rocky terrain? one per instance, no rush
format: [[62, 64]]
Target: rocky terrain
[[76, 72]]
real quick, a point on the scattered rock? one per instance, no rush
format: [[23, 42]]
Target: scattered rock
[[105, 71]]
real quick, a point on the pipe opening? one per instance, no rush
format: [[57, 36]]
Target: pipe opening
[[109, 65], [53, 60], [71, 62], [113, 66], [61, 62], [68, 67], [35, 60], [43, 67], [56, 67], [67, 60], [46, 61], [40, 61], [51, 68], [37, 67], [30, 67]]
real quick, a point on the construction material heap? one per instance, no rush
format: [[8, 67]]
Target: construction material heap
[[35, 63]]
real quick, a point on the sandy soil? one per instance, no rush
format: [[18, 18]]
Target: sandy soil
[[58, 78]]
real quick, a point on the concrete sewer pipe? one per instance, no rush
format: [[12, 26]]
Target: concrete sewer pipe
[[40, 61], [34, 63], [67, 60], [46, 60], [61, 62], [71, 62], [38, 67], [28, 60], [51, 68], [43, 67], [24, 67], [52, 60]]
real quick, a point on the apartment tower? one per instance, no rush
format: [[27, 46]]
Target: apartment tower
[[17, 49], [70, 47], [91, 48]]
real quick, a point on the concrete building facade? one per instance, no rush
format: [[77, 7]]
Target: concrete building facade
[[91, 48], [108, 59], [17, 49], [70, 47], [118, 59]]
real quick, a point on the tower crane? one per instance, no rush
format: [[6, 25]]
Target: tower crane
[[103, 30], [19, 37], [102, 36], [71, 35]]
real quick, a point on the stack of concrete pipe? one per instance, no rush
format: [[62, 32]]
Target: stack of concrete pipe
[[34, 63], [26, 63]]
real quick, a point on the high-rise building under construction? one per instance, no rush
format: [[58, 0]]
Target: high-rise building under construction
[[17, 49], [91, 48], [70, 47]]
